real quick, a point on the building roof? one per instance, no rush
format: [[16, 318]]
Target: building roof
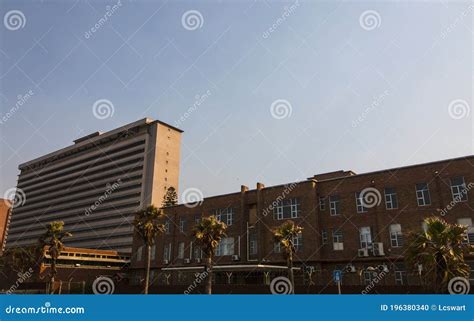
[[91, 138]]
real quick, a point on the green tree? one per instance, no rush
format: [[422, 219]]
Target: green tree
[[440, 251], [170, 198], [147, 225], [285, 234], [208, 233], [52, 242]]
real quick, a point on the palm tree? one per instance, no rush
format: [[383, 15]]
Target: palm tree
[[208, 233], [52, 241], [440, 251], [285, 234], [147, 224], [170, 198]]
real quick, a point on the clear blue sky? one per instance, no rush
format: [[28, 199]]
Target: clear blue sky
[[414, 61]]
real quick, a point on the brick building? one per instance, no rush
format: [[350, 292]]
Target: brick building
[[342, 229]]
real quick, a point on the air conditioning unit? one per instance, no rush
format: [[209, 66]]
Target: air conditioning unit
[[166, 262], [377, 249], [350, 269], [383, 268], [187, 261], [198, 260], [235, 258], [363, 253]]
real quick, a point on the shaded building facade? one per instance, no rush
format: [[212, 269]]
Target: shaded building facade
[[363, 237]]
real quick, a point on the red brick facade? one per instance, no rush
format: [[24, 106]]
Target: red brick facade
[[254, 218]]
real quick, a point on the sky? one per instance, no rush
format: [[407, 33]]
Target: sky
[[265, 91]]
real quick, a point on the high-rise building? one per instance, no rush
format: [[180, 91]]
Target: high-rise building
[[5, 206], [96, 185]]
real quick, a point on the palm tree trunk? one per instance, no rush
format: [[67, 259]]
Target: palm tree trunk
[[209, 275], [148, 266], [291, 275], [53, 274]]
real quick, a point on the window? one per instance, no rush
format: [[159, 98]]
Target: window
[[298, 242], [167, 252], [324, 237], [225, 247], [322, 203], [167, 227], [197, 252], [277, 247], [396, 238], [197, 218], [400, 274], [335, 205], [369, 277], [391, 200], [181, 250], [337, 240], [253, 247], [225, 215], [458, 189], [140, 254], [182, 225], [287, 209], [153, 253], [470, 230], [360, 203], [423, 194], [365, 237]]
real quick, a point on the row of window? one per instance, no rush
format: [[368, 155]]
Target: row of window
[[458, 191], [227, 245], [396, 235], [291, 208]]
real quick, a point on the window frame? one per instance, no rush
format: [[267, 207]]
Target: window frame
[[460, 190], [422, 198], [391, 198], [334, 205]]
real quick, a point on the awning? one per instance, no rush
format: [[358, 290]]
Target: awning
[[246, 267]]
